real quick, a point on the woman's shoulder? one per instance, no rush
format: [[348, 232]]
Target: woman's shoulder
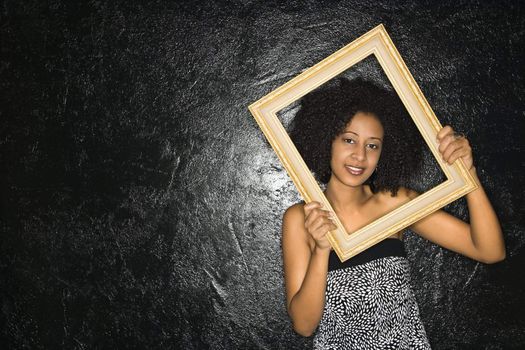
[[295, 211], [391, 199], [293, 226]]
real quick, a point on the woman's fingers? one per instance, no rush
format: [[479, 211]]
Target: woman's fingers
[[308, 207], [445, 141], [317, 218], [313, 209], [318, 223], [458, 153], [446, 130], [321, 222], [453, 146], [449, 148], [459, 148], [320, 233]]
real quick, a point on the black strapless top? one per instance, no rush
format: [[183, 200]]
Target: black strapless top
[[387, 247]]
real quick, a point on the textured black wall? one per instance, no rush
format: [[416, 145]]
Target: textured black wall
[[141, 205]]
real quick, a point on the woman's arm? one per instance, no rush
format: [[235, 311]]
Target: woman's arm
[[305, 270], [482, 240]]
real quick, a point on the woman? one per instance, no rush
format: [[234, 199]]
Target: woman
[[366, 162]]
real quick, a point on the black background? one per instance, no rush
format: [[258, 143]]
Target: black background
[[141, 204]]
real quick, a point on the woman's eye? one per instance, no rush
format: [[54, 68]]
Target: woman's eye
[[373, 146], [348, 140]]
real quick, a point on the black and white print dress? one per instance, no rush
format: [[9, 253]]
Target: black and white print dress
[[370, 304]]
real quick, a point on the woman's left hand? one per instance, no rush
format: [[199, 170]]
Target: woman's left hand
[[454, 146]]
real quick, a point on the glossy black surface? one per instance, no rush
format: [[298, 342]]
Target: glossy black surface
[[141, 204]]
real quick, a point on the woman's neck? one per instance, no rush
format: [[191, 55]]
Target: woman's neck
[[344, 198]]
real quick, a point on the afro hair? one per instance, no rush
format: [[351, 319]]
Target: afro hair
[[325, 112]]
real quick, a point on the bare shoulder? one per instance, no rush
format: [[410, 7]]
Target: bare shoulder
[[403, 195], [407, 194], [295, 211], [385, 202], [293, 218], [293, 224]]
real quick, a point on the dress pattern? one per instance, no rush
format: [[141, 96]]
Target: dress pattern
[[371, 306]]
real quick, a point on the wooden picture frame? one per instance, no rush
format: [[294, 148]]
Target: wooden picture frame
[[376, 42]]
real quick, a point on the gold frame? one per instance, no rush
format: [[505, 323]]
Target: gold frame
[[376, 42]]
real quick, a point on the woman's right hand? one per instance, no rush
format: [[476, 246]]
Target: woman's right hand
[[318, 223]]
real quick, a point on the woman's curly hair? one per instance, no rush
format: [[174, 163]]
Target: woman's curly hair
[[325, 112]]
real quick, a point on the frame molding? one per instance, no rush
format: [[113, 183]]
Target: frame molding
[[376, 42]]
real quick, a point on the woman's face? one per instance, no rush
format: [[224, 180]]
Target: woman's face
[[356, 151]]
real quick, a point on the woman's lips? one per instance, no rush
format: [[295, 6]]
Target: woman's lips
[[354, 170]]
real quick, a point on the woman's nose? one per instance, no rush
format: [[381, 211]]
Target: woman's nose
[[359, 153]]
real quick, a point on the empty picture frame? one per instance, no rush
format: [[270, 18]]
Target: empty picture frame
[[376, 42]]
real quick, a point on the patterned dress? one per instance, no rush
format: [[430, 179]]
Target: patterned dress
[[370, 304]]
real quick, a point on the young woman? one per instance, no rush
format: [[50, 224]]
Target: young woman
[[365, 157]]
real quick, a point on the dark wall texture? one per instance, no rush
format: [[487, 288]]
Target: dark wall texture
[[141, 205]]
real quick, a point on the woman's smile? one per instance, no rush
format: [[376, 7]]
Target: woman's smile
[[355, 170]]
